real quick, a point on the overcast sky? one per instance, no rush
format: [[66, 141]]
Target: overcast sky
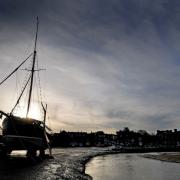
[[109, 63]]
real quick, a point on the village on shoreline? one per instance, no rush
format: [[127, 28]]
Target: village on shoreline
[[125, 138]]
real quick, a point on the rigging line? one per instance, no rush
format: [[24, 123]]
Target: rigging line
[[15, 88], [21, 94], [39, 82], [38, 96], [36, 87], [23, 85], [15, 69]]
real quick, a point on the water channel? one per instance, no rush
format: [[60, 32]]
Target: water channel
[[131, 167]]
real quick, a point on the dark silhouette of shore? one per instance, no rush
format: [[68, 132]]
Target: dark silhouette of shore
[[126, 138], [19, 167]]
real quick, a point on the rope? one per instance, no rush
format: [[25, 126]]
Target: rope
[[40, 97], [39, 82], [24, 85], [21, 95], [15, 70]]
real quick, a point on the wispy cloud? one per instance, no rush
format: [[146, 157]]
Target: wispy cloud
[[110, 64]]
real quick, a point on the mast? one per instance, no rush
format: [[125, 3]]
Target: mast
[[32, 70]]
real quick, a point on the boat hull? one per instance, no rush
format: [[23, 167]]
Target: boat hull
[[14, 142]]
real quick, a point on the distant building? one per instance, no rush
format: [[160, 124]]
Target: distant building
[[168, 137], [123, 138]]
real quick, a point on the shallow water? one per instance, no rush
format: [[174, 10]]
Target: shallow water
[[131, 167]]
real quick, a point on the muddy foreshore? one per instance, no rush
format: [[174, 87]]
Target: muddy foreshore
[[68, 164], [166, 156]]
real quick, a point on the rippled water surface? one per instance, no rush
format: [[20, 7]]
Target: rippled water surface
[[131, 167]]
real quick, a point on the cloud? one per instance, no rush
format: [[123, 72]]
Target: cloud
[[110, 64]]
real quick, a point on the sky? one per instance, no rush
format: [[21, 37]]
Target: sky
[[109, 64]]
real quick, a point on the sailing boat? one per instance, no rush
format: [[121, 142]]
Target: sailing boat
[[25, 133]]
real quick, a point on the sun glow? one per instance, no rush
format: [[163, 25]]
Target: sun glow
[[34, 112]]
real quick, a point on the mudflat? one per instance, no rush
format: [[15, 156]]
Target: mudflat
[[169, 156], [68, 163]]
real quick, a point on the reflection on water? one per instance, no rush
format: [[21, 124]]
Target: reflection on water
[[131, 167], [18, 153]]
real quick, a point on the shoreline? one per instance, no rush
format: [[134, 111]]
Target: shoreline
[[173, 157], [69, 163], [90, 157]]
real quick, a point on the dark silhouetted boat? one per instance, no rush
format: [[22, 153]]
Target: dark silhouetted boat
[[25, 133]]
